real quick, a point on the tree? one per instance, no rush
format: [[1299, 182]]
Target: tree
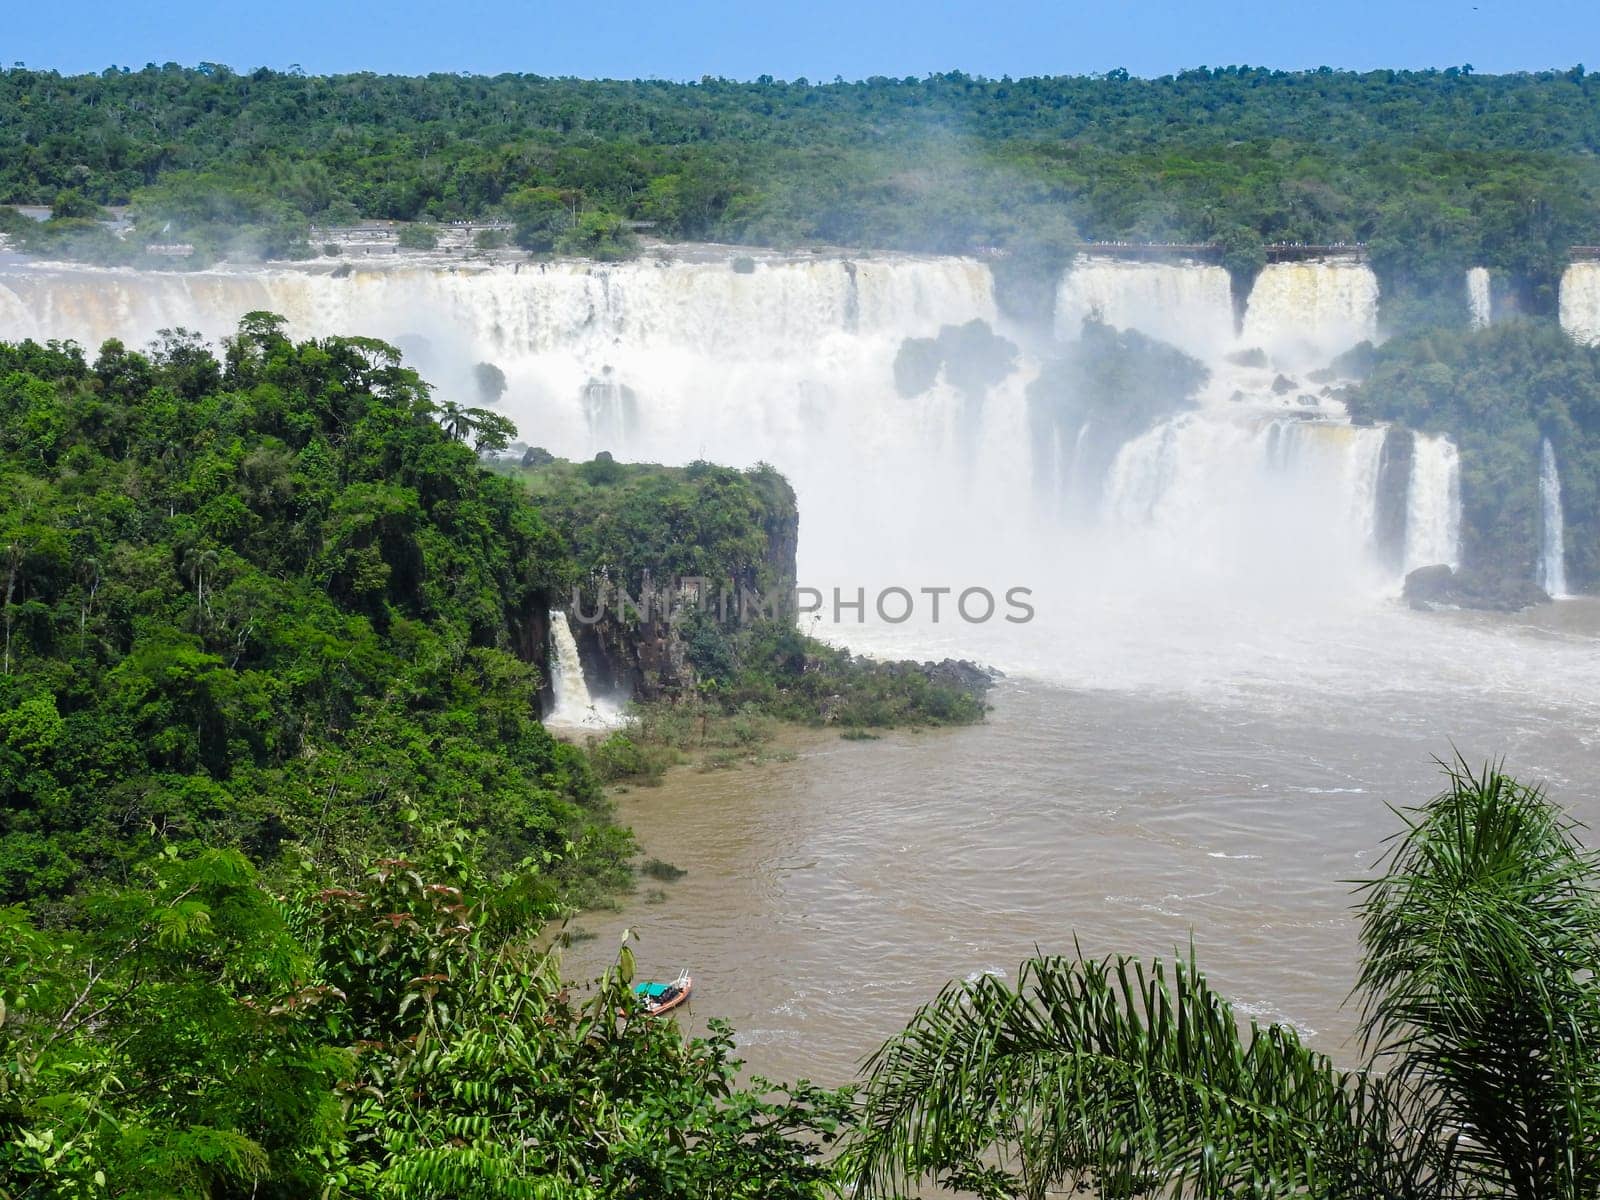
[[204, 1037], [1482, 1018], [165, 1048], [72, 204], [198, 565], [458, 422], [418, 237], [541, 215], [599, 235]]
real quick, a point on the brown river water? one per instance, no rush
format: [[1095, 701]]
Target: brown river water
[[827, 897]]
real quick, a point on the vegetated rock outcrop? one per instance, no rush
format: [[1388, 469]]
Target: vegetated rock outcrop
[[1438, 586], [655, 544], [1500, 394], [972, 358]]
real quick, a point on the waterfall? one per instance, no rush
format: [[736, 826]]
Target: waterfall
[[1186, 304], [1261, 494], [1310, 311], [1478, 296], [1203, 480], [1433, 504], [789, 306], [574, 707], [1580, 301], [1552, 550]]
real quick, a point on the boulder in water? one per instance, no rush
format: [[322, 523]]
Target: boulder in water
[[1283, 384], [1438, 586], [969, 677]]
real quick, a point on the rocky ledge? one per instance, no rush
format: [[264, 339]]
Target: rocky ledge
[[1438, 586]]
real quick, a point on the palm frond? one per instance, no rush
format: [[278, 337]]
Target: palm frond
[[1135, 1079], [1482, 952]]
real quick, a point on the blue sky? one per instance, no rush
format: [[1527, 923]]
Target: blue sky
[[818, 39]]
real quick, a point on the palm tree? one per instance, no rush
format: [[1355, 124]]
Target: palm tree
[[1481, 1020], [458, 422]]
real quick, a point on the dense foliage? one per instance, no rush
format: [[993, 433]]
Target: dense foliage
[[262, 600], [1437, 170], [1498, 392], [1481, 989], [398, 1038], [629, 521], [638, 527]]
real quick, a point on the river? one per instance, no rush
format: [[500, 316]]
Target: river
[[827, 897]]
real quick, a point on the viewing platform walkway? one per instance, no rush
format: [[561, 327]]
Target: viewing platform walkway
[[1210, 251]]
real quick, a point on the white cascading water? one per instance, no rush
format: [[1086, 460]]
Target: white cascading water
[[1307, 312], [1188, 305], [574, 707], [1479, 306], [1268, 459], [1552, 525], [1256, 508], [1580, 301], [1433, 504]]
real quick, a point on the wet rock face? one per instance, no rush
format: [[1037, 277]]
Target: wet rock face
[[1437, 586], [642, 660], [971, 357], [648, 659]]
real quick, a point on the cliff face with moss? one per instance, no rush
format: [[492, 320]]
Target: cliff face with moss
[[654, 544], [713, 540]]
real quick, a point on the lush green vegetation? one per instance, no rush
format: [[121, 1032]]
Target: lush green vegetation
[[1498, 392], [266, 600], [197, 1036], [1481, 1003], [265, 618], [273, 601], [629, 521], [1437, 170]]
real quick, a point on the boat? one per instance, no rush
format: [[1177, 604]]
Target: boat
[[662, 998]]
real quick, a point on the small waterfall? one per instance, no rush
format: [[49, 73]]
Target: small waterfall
[[612, 410], [1580, 301], [1478, 298], [1433, 504], [1552, 551], [574, 707]]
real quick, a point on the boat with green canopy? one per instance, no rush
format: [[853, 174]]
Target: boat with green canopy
[[662, 998]]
